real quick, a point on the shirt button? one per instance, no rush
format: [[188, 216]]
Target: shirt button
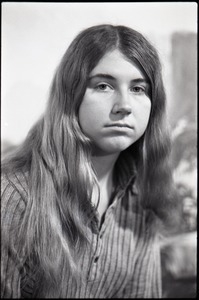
[[96, 259]]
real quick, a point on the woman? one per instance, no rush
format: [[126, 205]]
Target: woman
[[85, 194]]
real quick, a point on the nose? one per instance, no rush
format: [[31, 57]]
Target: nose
[[122, 105]]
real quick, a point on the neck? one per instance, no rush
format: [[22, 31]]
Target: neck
[[104, 165]]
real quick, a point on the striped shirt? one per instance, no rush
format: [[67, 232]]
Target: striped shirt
[[123, 262]]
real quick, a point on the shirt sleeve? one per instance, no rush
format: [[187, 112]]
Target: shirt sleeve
[[12, 209], [146, 276]]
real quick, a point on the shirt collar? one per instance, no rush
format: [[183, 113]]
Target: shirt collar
[[125, 173], [124, 179]]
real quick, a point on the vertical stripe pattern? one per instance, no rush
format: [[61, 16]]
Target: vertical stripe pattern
[[123, 261]]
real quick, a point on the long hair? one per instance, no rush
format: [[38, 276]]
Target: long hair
[[57, 156]]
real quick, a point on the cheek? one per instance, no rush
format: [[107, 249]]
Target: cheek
[[93, 111], [147, 113], [89, 116], [84, 115], [144, 115]]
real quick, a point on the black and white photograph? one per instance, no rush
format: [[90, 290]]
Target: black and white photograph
[[98, 150]]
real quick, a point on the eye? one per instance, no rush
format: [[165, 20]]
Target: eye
[[103, 87], [138, 90]]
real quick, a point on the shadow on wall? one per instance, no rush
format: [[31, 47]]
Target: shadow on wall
[[179, 266], [179, 251]]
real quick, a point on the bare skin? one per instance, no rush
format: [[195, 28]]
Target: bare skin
[[104, 169]]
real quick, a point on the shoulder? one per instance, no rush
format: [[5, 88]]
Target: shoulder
[[14, 194], [144, 219], [17, 181]]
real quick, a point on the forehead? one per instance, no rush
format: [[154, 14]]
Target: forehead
[[117, 65]]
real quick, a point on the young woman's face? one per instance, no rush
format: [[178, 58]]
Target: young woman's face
[[116, 106]]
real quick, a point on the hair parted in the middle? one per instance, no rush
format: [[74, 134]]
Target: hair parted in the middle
[[57, 154]]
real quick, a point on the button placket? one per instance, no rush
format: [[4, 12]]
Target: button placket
[[108, 214], [98, 250], [98, 241], [94, 260]]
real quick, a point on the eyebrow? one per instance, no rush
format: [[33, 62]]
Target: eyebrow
[[110, 77], [106, 76]]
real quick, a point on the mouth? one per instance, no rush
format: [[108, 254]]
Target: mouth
[[120, 125]]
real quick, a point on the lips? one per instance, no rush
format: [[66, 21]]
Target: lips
[[122, 125]]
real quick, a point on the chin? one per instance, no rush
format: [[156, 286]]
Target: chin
[[113, 145], [113, 148]]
